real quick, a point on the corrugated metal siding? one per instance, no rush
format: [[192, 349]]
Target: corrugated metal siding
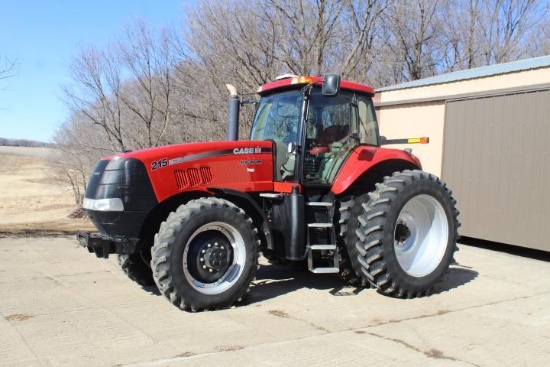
[[496, 159]]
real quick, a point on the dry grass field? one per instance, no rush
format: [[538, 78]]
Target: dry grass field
[[30, 201]]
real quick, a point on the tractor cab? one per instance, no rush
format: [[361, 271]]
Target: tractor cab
[[314, 124]]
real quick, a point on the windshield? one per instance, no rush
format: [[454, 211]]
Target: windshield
[[278, 117]]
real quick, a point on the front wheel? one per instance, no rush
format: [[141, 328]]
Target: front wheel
[[205, 254], [136, 267], [406, 234]]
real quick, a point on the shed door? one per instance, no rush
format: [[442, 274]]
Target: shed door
[[496, 160]]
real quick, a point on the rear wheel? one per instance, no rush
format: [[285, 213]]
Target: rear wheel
[[205, 255], [347, 223], [405, 234]]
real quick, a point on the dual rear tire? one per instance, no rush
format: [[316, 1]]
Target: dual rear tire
[[401, 237]]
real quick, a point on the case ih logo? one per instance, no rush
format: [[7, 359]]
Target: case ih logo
[[247, 150]]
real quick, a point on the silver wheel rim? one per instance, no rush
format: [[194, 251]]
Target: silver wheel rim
[[421, 234], [233, 273]]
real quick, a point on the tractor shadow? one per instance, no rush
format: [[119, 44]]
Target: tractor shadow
[[274, 280], [457, 276], [152, 289]]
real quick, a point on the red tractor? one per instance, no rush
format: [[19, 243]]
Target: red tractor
[[311, 185]]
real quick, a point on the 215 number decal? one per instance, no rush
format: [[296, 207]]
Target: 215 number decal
[[161, 163]]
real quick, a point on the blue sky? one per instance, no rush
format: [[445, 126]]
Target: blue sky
[[43, 36]]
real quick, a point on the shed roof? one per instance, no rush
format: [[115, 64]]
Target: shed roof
[[484, 71]]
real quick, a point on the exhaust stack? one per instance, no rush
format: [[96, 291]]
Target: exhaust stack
[[233, 111]]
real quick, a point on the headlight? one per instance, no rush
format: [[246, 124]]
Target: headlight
[[104, 205]]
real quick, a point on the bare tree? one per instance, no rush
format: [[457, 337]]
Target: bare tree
[[460, 35], [149, 61], [223, 43], [201, 98], [96, 92], [540, 41], [77, 149], [430, 37], [359, 38], [305, 31], [413, 40], [126, 88], [8, 67], [507, 25]]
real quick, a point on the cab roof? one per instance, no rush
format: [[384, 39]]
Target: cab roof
[[293, 81]]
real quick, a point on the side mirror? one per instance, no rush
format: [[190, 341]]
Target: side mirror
[[331, 85]]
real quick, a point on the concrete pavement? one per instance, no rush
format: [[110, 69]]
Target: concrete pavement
[[60, 306]]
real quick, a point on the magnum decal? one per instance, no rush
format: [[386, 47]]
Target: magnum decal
[[252, 161]]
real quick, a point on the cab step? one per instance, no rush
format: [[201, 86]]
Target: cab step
[[322, 253], [325, 253]]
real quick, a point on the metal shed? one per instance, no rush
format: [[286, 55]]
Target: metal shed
[[489, 133]]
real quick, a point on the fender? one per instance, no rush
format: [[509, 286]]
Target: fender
[[238, 197], [364, 158]]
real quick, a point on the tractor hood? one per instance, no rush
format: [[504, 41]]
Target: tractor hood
[[239, 165], [190, 150]]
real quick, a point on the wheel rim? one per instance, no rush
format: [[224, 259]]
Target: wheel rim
[[214, 258], [421, 234]]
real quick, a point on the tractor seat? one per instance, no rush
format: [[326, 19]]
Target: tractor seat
[[330, 135]]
